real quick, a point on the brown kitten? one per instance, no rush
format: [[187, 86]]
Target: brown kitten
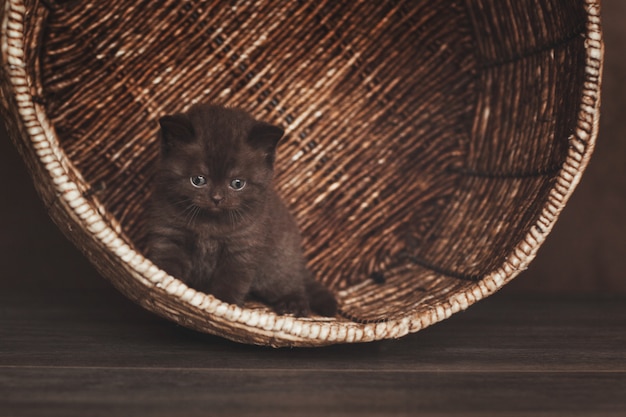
[[216, 222]]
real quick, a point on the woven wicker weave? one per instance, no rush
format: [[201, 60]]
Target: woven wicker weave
[[430, 144]]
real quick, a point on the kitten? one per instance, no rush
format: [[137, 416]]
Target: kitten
[[216, 222]]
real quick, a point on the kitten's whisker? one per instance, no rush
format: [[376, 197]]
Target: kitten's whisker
[[188, 208], [238, 215], [181, 202], [231, 216], [188, 213], [194, 215], [189, 217], [197, 213]]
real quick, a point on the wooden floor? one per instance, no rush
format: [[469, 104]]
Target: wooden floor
[[95, 353]]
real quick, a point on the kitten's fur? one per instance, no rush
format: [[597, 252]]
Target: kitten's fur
[[227, 242]]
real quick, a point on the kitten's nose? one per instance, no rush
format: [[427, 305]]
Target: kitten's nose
[[217, 199]]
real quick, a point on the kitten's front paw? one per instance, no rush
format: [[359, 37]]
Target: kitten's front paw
[[297, 306]]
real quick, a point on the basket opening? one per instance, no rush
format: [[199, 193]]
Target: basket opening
[[423, 137]]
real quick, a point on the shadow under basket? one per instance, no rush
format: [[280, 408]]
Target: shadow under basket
[[430, 145]]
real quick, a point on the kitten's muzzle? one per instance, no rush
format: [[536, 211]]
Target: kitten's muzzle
[[217, 199]]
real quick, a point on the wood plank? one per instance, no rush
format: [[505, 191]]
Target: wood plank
[[160, 392], [499, 334]]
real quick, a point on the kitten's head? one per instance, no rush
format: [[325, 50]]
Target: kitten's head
[[216, 161]]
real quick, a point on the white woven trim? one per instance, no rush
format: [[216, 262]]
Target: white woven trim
[[285, 328]]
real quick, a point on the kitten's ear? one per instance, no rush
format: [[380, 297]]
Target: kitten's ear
[[174, 129], [265, 137]]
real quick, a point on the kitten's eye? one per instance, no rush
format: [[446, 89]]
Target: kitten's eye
[[237, 184], [198, 181]]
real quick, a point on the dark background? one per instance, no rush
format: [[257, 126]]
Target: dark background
[[585, 253]]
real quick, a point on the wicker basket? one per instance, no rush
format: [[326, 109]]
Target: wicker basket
[[430, 145]]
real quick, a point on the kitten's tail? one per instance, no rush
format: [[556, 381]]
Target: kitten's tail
[[321, 300]]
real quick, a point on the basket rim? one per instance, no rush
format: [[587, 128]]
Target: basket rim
[[265, 327]]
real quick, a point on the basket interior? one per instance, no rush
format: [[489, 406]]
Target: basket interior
[[423, 137]]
